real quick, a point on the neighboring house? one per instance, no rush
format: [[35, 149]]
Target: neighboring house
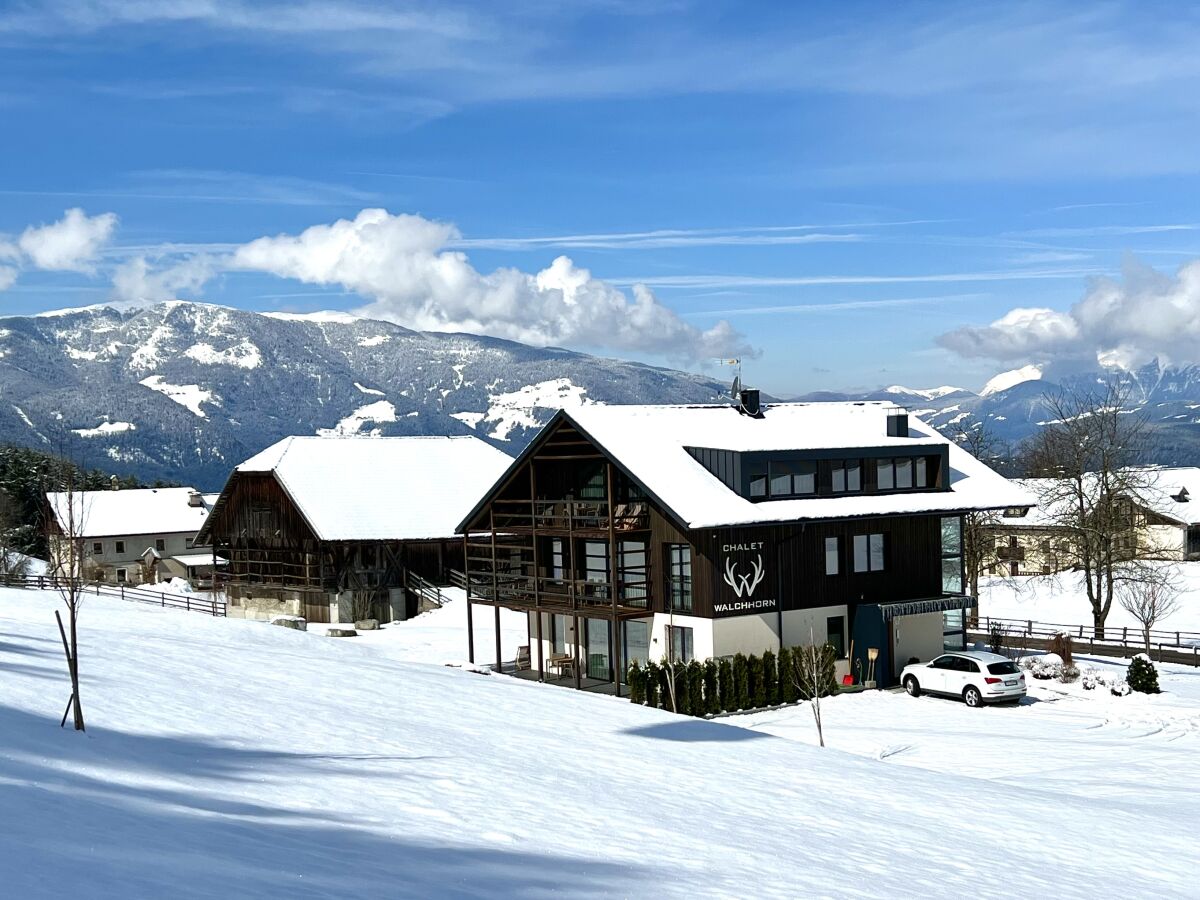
[[135, 536], [333, 528], [1163, 523], [689, 532]]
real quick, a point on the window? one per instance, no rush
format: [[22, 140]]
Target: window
[[558, 634], [631, 564], [832, 555], [1004, 668], [189, 543], [868, 553], [122, 576], [791, 479], [120, 547], [847, 476], [758, 487], [680, 642], [557, 569], [901, 473], [160, 544], [679, 575], [98, 547], [835, 630], [595, 561], [952, 560]]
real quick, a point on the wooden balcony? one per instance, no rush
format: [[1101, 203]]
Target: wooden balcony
[[526, 592]]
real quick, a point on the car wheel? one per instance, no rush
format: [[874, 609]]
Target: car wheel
[[972, 697], [911, 686]]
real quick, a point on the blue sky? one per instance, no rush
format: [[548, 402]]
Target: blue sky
[[862, 193]]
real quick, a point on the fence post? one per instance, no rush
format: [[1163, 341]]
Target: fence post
[[1029, 627], [122, 592]]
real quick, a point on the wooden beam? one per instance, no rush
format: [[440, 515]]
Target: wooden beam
[[499, 657], [578, 657], [614, 586]]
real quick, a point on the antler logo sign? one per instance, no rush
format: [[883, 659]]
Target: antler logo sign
[[744, 585]]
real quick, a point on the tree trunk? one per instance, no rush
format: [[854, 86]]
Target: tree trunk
[[77, 703]]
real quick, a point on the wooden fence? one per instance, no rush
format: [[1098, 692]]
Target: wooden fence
[[213, 605], [1025, 634]]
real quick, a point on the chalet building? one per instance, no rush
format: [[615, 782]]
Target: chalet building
[[339, 529], [688, 532], [134, 536], [1163, 523]]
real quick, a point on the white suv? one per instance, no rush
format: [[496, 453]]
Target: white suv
[[975, 676]]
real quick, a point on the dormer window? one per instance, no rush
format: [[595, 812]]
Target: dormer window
[[1182, 496], [901, 473], [847, 476], [793, 479]]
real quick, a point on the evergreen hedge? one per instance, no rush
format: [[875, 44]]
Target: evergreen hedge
[[750, 681]]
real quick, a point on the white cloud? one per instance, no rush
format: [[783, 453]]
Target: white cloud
[[136, 281], [70, 244], [1129, 322], [400, 262], [8, 277]]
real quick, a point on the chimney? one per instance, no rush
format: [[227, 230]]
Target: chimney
[[195, 498], [115, 483], [897, 423], [749, 403]]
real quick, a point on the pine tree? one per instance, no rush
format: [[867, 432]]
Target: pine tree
[[695, 688], [683, 697], [650, 679], [741, 683], [787, 676], [637, 689], [770, 678], [1142, 676], [725, 686], [712, 698], [754, 672]]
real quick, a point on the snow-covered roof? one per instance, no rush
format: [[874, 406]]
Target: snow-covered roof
[[382, 488], [199, 559], [650, 443], [1170, 492], [130, 511]]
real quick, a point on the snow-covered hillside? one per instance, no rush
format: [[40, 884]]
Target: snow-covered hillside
[[185, 391], [229, 758]]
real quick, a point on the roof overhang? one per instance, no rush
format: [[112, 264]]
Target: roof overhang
[[903, 608]]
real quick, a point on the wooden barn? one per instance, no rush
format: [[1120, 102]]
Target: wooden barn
[[340, 529]]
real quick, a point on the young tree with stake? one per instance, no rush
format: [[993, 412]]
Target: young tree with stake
[[65, 522], [1149, 602]]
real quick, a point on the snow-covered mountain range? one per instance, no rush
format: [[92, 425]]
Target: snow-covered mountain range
[[185, 391], [1013, 404]]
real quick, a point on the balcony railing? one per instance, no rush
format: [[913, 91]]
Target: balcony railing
[[580, 593], [569, 515]]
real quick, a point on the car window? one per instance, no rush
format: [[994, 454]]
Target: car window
[[1003, 668], [967, 665], [942, 662]]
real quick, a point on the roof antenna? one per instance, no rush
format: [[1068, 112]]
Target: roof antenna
[[745, 400]]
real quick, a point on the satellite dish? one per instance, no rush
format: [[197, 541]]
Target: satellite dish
[[737, 387]]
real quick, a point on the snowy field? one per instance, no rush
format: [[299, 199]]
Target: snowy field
[[1061, 599], [227, 758]]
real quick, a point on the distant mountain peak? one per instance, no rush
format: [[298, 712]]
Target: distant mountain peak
[[1011, 378], [926, 393]]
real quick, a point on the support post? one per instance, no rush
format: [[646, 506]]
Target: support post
[[614, 585], [470, 633], [541, 667], [499, 658], [578, 657]]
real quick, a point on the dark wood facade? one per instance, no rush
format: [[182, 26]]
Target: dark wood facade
[[273, 552], [535, 542]]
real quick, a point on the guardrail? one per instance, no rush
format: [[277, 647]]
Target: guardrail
[[210, 605], [426, 590]]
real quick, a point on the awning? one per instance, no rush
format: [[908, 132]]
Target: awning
[[920, 607], [189, 560]]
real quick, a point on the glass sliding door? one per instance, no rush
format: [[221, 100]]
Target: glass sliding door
[[637, 644], [599, 661]]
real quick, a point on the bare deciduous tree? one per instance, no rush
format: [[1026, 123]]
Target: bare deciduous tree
[[978, 543], [1150, 602], [65, 522], [812, 673], [1088, 456]]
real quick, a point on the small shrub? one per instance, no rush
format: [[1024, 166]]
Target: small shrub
[[1091, 679], [695, 688], [1121, 689], [1060, 646], [1142, 676], [725, 686], [997, 636], [754, 671], [712, 697], [637, 689], [770, 679], [1068, 674], [741, 683], [787, 676], [650, 684]]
